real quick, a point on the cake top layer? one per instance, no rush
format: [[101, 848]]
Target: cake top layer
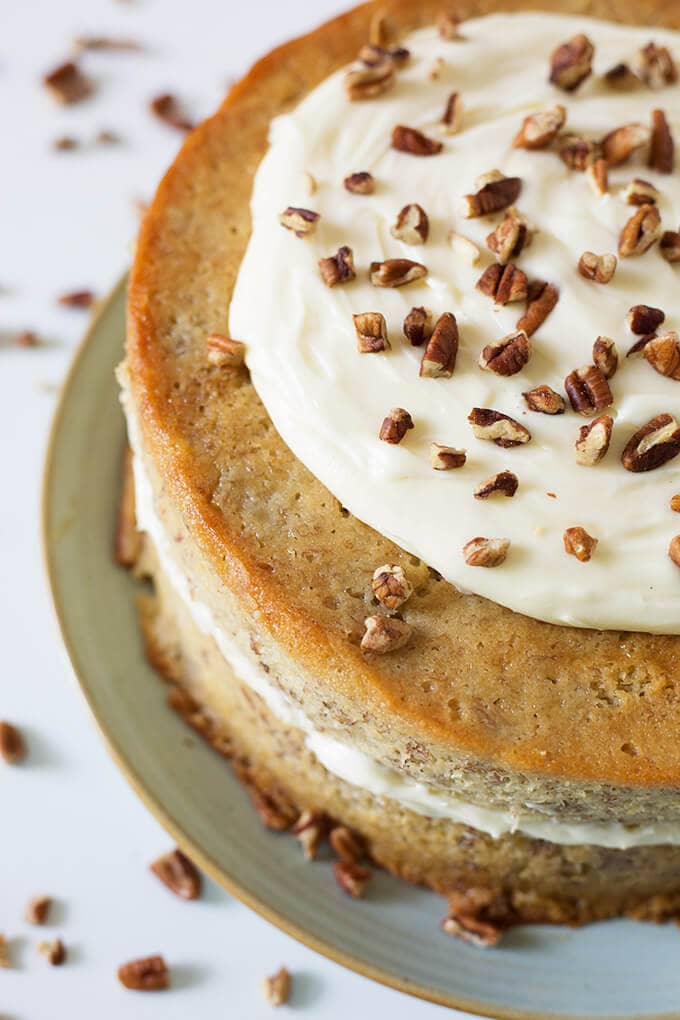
[[326, 343]]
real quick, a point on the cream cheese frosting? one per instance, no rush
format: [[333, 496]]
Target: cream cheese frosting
[[328, 401]]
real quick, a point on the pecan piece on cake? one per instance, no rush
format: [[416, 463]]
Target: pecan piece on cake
[[486, 552], [663, 354], [371, 330], [541, 299], [620, 144], [598, 176], [224, 352], [418, 326], [599, 268], [338, 268], [390, 586], [352, 878], [369, 80], [396, 272], [149, 974], [439, 356], [578, 543], [360, 183], [412, 225], [669, 245], [301, 221], [276, 988], [662, 147], [579, 153], [655, 66], [622, 78], [588, 390], [452, 118], [510, 237], [539, 129], [446, 458], [384, 634], [395, 426], [495, 192], [505, 483], [497, 427], [640, 192], [544, 399], [504, 284], [593, 440], [506, 356], [644, 319], [571, 63], [179, 874], [642, 230], [12, 744], [67, 83], [653, 445], [408, 139], [605, 356]]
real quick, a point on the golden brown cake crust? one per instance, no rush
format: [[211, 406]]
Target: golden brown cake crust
[[528, 695]]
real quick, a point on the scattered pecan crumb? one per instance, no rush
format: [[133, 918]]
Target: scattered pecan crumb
[[225, 352], [655, 66], [605, 356], [12, 744], [588, 390], [640, 192], [338, 268], [541, 299], [506, 356], [68, 84], [179, 874], [396, 272], [369, 80], [418, 326], [497, 427], [620, 144], [643, 319], [471, 929], [27, 338], [464, 248], [539, 129], [642, 230], [371, 331], [669, 245], [448, 26], [390, 586], [167, 108], [412, 225], [310, 829], [276, 989], [674, 550], [579, 153], [65, 143], [5, 961], [77, 299], [346, 844], [578, 543], [662, 148], [408, 139], [486, 552], [54, 951], [593, 440], [621, 77], [352, 878], [653, 445], [275, 811], [674, 503], [384, 634], [452, 118], [395, 425], [544, 399], [360, 183], [446, 458], [149, 974], [663, 354], [599, 268], [598, 176], [38, 909], [497, 192], [505, 284], [439, 356], [302, 222], [104, 42], [504, 483], [571, 63], [510, 237]]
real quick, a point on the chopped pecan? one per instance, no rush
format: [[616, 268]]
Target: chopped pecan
[[541, 299], [275, 810], [338, 268], [571, 63], [486, 552], [620, 144], [663, 354], [276, 989], [439, 356], [506, 356], [77, 299], [621, 77], [653, 445], [418, 326], [396, 272], [12, 744], [446, 458], [593, 440], [408, 139], [346, 844], [360, 183], [167, 108], [464, 248], [452, 118], [669, 245], [600, 268], [301, 221], [54, 951], [510, 237], [539, 129], [497, 427], [368, 80], [472, 929], [605, 356], [38, 909], [493, 195], [149, 974], [643, 319], [504, 483], [579, 153], [395, 425], [371, 330], [662, 148], [390, 586], [674, 550], [310, 829], [504, 284], [384, 634], [68, 84], [412, 226], [544, 399], [641, 231], [578, 543], [351, 877], [448, 26], [588, 390], [225, 352], [674, 503], [640, 192], [655, 66], [598, 176], [179, 874]]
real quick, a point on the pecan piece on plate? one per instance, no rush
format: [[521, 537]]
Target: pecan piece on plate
[[408, 139], [578, 543], [395, 425], [620, 144], [504, 284], [418, 326], [541, 299], [643, 319], [539, 129], [493, 195], [599, 268], [391, 586], [338, 268], [506, 356], [396, 272], [179, 874], [642, 230], [301, 221], [149, 974], [593, 440], [588, 390], [486, 552], [662, 148], [371, 331], [653, 445], [497, 427], [360, 183], [640, 192], [663, 354], [544, 399], [439, 356], [571, 63], [412, 225], [605, 356], [505, 483], [510, 237], [452, 118], [446, 458]]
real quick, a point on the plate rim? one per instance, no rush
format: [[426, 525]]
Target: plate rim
[[161, 813]]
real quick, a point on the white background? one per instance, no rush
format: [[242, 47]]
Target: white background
[[69, 825]]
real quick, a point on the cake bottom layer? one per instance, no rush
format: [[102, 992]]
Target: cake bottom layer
[[506, 880]]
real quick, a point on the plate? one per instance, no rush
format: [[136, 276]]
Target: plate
[[618, 969]]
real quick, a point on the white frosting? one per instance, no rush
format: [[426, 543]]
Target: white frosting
[[328, 401], [351, 765]]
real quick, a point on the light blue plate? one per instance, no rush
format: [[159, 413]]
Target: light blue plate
[[619, 969]]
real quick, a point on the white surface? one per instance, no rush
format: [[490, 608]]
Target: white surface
[[69, 824]]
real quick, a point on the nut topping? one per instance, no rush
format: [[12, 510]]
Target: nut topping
[[605, 356], [38, 909], [396, 272], [541, 299], [662, 148], [301, 221], [598, 176], [407, 139], [600, 268], [493, 195], [663, 354], [12, 744], [338, 268], [497, 427], [371, 330], [545, 400], [452, 118], [653, 445], [384, 634], [655, 66], [640, 192], [366, 81], [395, 425], [412, 226], [669, 246], [621, 77], [644, 319], [641, 231], [418, 326], [53, 950], [571, 63], [505, 483], [620, 144], [446, 458], [390, 586], [504, 284], [179, 874], [225, 352], [578, 543], [593, 440], [352, 878], [510, 237], [588, 390], [506, 356], [439, 356], [360, 183], [146, 975], [276, 989], [68, 84], [538, 130], [579, 153], [486, 552]]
